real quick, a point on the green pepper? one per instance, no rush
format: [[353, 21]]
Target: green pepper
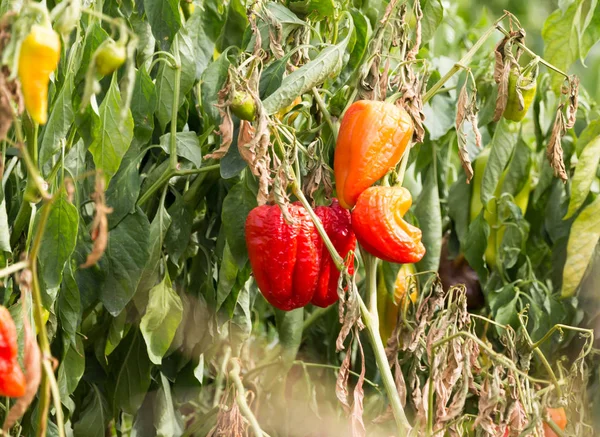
[[490, 214], [109, 57], [527, 85], [243, 106]]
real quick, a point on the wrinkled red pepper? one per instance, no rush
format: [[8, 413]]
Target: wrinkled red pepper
[[12, 380], [337, 223], [290, 263]]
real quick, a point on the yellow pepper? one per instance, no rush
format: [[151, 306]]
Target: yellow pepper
[[388, 305], [40, 52]]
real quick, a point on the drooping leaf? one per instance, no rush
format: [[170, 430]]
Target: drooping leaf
[[71, 369], [132, 374], [69, 306], [94, 415], [583, 239], [585, 173], [429, 215], [59, 238], [167, 421], [59, 122], [124, 188], [178, 235], [503, 144], [111, 135], [162, 318], [213, 79], [143, 105], [236, 206], [126, 256], [476, 243]]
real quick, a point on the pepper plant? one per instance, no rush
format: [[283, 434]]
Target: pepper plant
[[297, 217]]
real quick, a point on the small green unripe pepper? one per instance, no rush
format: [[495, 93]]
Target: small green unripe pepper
[[109, 57], [243, 106]]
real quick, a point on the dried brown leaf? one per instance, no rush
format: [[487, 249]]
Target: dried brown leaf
[[225, 131], [573, 101], [554, 151], [463, 113], [341, 384], [358, 425], [99, 228], [502, 97]]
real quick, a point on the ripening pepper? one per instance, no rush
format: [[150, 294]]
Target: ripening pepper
[[336, 221], [285, 257], [388, 305], [12, 380], [515, 110], [40, 52], [379, 227], [372, 139]]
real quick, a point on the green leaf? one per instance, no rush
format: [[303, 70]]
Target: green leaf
[[316, 9], [143, 105], [213, 79], [188, 146], [359, 42], [4, 234], [439, 116], [162, 318], [507, 311], [94, 415], [124, 188], [158, 230], [503, 144], [227, 276], [203, 44], [178, 235], [459, 197], [563, 36], [433, 13], [312, 74], [71, 369], [164, 19], [475, 245], [126, 254], [235, 24], [583, 239], [94, 36], [519, 169], [236, 206], [585, 174], [429, 215], [271, 77], [167, 421], [59, 238], [165, 81], [117, 330], [69, 306], [60, 121], [289, 327], [132, 378], [232, 163], [111, 135]]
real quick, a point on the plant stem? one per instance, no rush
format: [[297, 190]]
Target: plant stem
[[221, 376], [464, 60], [60, 421], [325, 113], [44, 394], [234, 374], [7, 271], [402, 424], [337, 259], [175, 109]]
